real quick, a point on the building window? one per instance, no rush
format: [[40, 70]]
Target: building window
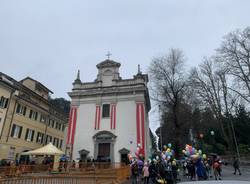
[[48, 139], [29, 135], [56, 142], [39, 138], [33, 115], [4, 102], [11, 154], [51, 123], [43, 118], [105, 110], [16, 131], [59, 126], [21, 109]]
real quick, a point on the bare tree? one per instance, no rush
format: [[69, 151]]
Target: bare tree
[[168, 84], [210, 84], [234, 55]]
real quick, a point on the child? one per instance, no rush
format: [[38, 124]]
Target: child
[[145, 173], [216, 167]]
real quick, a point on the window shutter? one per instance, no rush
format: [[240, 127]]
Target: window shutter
[[37, 137], [26, 135], [1, 101], [61, 143], [20, 132], [13, 130], [36, 115], [30, 114], [18, 108], [24, 111], [32, 136], [6, 103], [42, 139]]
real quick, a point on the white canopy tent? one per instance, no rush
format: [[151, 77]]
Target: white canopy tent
[[49, 149]]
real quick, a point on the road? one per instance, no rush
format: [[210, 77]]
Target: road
[[227, 174]]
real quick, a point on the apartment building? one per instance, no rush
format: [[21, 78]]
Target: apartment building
[[27, 118]]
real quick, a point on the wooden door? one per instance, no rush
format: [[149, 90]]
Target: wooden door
[[104, 150]]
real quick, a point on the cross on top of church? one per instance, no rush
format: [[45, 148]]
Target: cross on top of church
[[139, 69], [108, 55]]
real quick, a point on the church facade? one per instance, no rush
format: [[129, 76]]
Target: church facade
[[109, 117]]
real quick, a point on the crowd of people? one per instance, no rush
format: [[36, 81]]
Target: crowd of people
[[156, 171], [164, 168]]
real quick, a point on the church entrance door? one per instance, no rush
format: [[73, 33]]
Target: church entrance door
[[104, 152], [104, 146]]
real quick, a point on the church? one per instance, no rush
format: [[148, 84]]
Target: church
[[109, 116]]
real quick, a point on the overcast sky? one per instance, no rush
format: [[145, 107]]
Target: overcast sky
[[49, 40]]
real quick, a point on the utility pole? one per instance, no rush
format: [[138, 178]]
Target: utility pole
[[160, 119], [235, 140]]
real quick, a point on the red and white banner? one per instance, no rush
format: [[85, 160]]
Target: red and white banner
[[140, 126], [113, 117], [72, 126], [97, 117]]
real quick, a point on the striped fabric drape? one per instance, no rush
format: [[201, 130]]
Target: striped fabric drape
[[72, 126], [113, 117], [140, 126], [97, 117]]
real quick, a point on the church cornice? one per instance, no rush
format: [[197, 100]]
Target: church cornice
[[108, 91], [113, 91]]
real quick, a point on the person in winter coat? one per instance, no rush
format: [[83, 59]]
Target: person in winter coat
[[236, 165], [145, 171], [216, 167], [134, 172], [152, 172], [200, 170]]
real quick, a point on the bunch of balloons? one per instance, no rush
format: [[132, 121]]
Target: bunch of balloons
[[136, 155], [190, 151], [138, 152], [167, 152]]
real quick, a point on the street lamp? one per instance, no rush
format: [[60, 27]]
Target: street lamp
[[235, 141], [212, 133]]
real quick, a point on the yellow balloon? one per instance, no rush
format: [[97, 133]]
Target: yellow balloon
[[204, 156]]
